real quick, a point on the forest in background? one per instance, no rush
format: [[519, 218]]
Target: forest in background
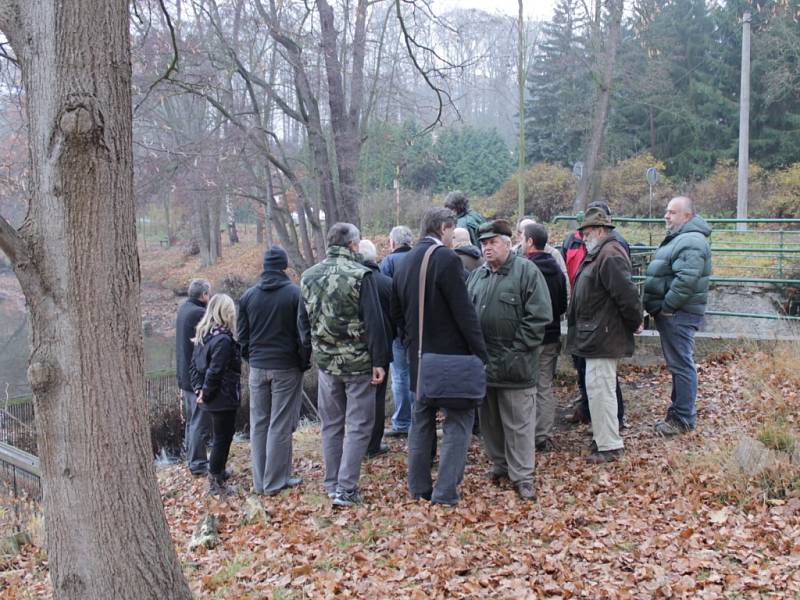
[[296, 114]]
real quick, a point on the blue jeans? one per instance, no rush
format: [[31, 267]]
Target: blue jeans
[[677, 343], [401, 390]]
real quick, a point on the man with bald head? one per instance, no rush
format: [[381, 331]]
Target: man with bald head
[[675, 294], [471, 256]]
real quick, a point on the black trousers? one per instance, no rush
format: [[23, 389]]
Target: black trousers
[[380, 416], [580, 367], [223, 425]]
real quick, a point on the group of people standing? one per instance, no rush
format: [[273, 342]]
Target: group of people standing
[[482, 296]]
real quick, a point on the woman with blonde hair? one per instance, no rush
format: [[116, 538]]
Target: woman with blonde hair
[[216, 370]]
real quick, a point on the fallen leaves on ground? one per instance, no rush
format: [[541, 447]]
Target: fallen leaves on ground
[[661, 522]]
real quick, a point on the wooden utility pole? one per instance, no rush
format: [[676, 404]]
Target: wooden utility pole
[[744, 125], [521, 85], [397, 194]]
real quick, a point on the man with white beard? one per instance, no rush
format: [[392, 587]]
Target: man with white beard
[[604, 313]]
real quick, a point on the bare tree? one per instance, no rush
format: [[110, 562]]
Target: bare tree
[[75, 257], [606, 60]]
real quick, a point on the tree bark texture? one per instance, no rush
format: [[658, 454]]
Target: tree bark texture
[[76, 259], [590, 181], [345, 120]]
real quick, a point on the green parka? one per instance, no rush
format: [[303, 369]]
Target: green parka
[[677, 277], [513, 306], [470, 221]]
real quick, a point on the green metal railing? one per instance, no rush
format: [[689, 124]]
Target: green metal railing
[[709, 220], [785, 250]]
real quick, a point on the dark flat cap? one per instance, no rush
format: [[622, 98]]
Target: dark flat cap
[[494, 228]]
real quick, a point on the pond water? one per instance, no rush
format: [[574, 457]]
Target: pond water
[[159, 354]]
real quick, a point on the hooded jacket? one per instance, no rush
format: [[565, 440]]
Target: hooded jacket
[[557, 286], [677, 278], [216, 369], [470, 256], [267, 324]]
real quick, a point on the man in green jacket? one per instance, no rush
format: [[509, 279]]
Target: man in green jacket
[[466, 218], [675, 294], [511, 298]]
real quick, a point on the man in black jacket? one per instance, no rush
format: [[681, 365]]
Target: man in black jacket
[[197, 430], [267, 328], [450, 327], [384, 283], [534, 240]]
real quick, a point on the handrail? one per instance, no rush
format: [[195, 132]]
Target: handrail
[[716, 278], [726, 313], [709, 220], [20, 459]]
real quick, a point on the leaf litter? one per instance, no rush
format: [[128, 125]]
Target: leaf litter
[[663, 522]]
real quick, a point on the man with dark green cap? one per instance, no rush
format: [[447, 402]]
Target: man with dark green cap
[[604, 313], [511, 298]]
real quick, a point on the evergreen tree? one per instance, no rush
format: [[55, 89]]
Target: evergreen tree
[[775, 83], [472, 159], [560, 90]]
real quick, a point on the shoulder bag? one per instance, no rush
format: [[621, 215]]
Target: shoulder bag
[[456, 381]]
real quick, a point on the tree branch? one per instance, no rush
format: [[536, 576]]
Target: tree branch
[[11, 242], [9, 16], [173, 66], [440, 92]]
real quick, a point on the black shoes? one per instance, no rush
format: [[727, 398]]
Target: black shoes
[[396, 433], [546, 445], [383, 449], [525, 490], [599, 457]]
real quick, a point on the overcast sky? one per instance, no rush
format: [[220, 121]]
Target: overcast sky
[[534, 9]]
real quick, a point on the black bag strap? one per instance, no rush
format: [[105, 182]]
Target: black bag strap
[[423, 276]]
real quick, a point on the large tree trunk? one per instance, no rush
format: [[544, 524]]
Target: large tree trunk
[[345, 121], [201, 205], [76, 259], [590, 182]]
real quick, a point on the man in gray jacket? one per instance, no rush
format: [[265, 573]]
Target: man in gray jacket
[[675, 294]]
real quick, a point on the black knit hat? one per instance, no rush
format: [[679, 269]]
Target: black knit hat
[[275, 259]]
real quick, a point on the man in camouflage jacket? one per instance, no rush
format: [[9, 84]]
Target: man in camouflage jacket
[[340, 318]]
